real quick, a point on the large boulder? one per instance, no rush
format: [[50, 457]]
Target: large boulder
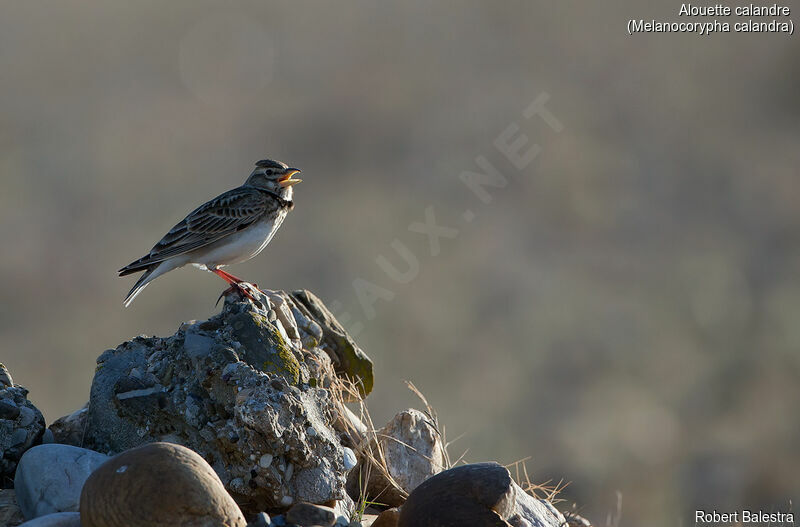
[[50, 477], [480, 495], [246, 389], [21, 426], [157, 485]]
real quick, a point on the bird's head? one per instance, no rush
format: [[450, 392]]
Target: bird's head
[[274, 176]]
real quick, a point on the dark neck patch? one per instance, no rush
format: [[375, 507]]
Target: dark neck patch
[[285, 204]]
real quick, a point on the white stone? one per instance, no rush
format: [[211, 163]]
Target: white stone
[[532, 512], [265, 461], [50, 477], [350, 460], [413, 451]]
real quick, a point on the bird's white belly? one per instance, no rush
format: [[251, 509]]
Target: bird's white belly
[[239, 246]]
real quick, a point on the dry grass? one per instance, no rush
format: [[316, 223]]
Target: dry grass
[[548, 490], [367, 442]]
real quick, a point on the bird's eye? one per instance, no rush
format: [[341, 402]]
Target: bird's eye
[[269, 172]]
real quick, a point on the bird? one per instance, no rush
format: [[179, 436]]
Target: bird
[[229, 229]]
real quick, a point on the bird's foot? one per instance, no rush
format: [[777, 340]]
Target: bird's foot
[[242, 288]]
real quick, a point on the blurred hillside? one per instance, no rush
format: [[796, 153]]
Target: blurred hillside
[[624, 310]]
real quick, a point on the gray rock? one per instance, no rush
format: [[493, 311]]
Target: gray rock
[[532, 512], [344, 507], [8, 410], [5, 378], [58, 519], [244, 392], [350, 460], [21, 426], [10, 515], [261, 520], [412, 451], [50, 478], [310, 515], [349, 360], [69, 430], [26, 416]]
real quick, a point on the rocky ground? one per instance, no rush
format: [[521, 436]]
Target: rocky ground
[[252, 417]]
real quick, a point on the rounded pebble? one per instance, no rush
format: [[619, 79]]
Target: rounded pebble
[[350, 460], [265, 461]]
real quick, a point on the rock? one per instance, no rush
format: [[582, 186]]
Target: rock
[[350, 460], [310, 515], [8, 410], [245, 389], [532, 512], [350, 427], [480, 494], [10, 515], [50, 478], [57, 519], [160, 484], [388, 518], [5, 377], [348, 359], [575, 520], [21, 426], [343, 507], [412, 451], [70, 429], [47, 437], [261, 520]]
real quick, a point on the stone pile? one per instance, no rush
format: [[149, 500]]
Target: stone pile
[[241, 417], [21, 426]]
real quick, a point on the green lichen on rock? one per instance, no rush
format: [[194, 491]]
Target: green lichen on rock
[[348, 359], [263, 346], [246, 384]]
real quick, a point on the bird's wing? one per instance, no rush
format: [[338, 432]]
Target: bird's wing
[[222, 216]]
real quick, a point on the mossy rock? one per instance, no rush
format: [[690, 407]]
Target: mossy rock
[[264, 348], [348, 359]]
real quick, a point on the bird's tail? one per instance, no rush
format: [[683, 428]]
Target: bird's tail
[[140, 284]]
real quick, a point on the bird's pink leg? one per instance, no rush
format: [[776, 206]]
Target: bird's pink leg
[[228, 277], [235, 285]]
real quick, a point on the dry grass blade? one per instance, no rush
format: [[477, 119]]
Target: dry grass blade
[[440, 430], [542, 491], [366, 443]]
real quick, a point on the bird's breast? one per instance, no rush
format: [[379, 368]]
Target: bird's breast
[[240, 246]]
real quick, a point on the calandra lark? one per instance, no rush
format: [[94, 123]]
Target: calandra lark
[[231, 228]]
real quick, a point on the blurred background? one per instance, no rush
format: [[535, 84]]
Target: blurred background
[[625, 311]]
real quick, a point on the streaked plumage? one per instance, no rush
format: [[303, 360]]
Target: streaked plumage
[[231, 228]]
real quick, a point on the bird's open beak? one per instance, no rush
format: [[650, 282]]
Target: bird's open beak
[[287, 180]]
